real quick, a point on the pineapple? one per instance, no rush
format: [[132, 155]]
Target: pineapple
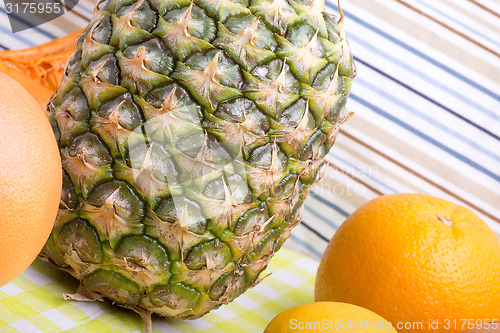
[[190, 134]]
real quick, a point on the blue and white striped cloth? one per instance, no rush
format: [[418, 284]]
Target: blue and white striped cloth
[[426, 104]]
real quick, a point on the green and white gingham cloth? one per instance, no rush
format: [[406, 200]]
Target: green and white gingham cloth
[[33, 302]]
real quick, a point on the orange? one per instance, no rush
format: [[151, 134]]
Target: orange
[[421, 262], [30, 179], [321, 317]]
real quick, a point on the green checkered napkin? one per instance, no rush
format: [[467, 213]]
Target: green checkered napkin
[[33, 302]]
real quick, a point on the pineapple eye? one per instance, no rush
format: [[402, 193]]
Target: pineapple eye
[[209, 255], [73, 116], [157, 57], [80, 237], [175, 296], [102, 31], [144, 252]]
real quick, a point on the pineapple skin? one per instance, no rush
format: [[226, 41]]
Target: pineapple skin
[[190, 134]]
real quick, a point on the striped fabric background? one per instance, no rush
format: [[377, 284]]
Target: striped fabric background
[[426, 104]]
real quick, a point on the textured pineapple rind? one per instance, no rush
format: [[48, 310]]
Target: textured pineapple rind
[[267, 77]]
